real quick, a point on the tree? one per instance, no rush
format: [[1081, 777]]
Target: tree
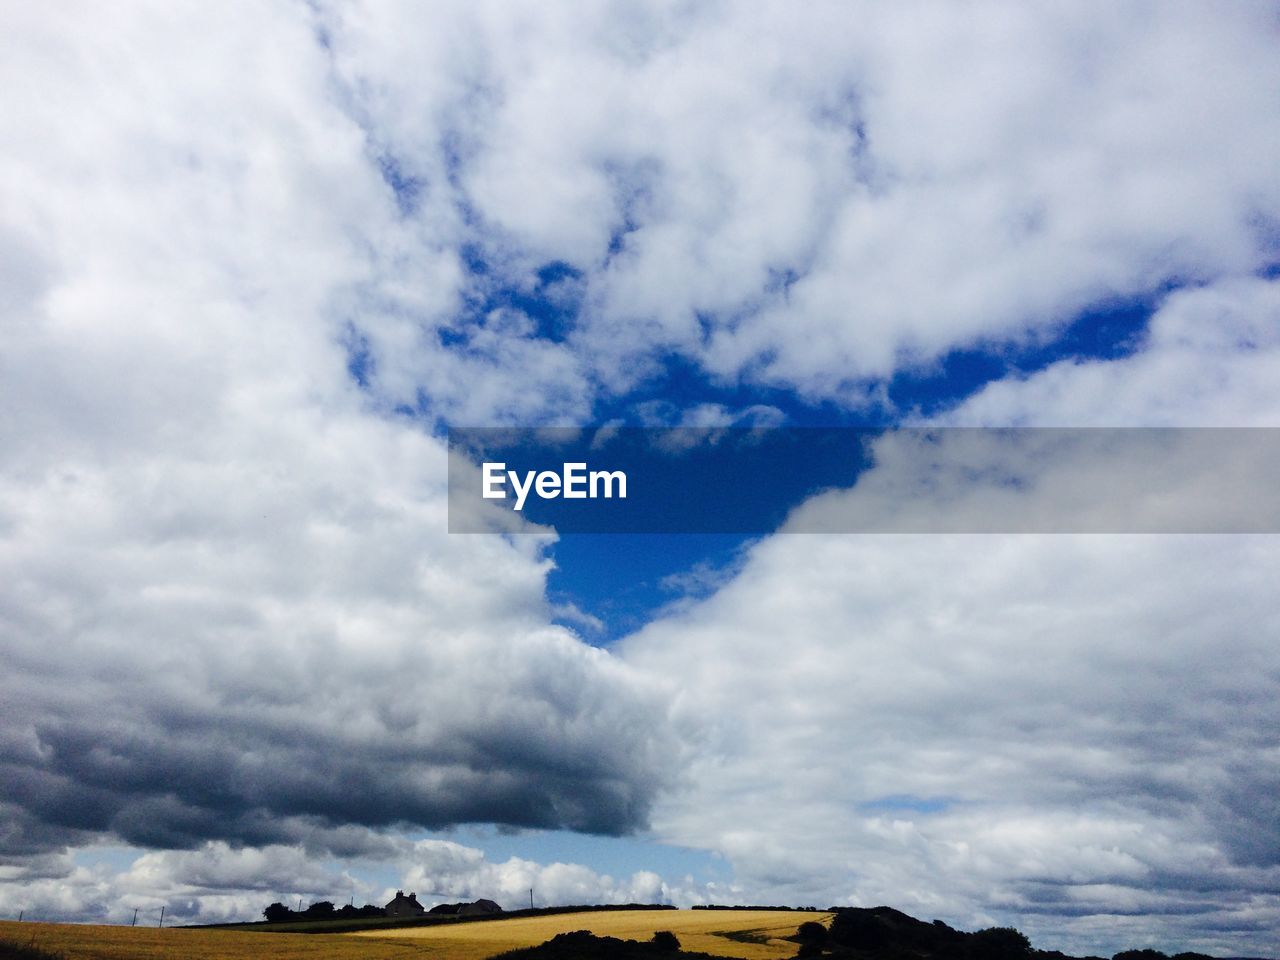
[[811, 931], [999, 943], [277, 913], [665, 940], [320, 910], [857, 929]]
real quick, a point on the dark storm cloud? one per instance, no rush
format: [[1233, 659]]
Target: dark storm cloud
[[25, 837], [1249, 817], [156, 778]]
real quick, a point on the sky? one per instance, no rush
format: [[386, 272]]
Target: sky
[[256, 261]]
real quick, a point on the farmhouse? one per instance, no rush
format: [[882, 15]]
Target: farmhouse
[[402, 906], [479, 908]]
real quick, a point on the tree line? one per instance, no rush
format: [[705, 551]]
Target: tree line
[[321, 910]]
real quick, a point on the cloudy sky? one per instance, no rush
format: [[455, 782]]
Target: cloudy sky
[[256, 259]]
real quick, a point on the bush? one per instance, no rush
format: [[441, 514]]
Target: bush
[[665, 940], [320, 910], [277, 913], [858, 930], [811, 931], [999, 943]]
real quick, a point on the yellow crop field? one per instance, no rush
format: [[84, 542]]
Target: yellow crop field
[[746, 934], [82, 941]]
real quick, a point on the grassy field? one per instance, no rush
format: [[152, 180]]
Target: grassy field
[[748, 934], [82, 941]]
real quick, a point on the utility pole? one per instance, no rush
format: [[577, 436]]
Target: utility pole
[[162, 916]]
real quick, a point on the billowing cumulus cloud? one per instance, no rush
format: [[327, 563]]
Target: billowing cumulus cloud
[[209, 641], [987, 727], [1057, 480], [1208, 359], [231, 610], [810, 201], [453, 871], [216, 882]]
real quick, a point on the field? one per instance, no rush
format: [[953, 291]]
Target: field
[[80, 941], [747, 934]]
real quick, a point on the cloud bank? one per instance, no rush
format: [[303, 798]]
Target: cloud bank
[[231, 611], [812, 201], [217, 882], [987, 727]]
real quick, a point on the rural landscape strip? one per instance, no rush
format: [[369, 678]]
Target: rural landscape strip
[[393, 923], [841, 933]]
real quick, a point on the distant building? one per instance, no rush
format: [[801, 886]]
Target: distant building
[[402, 906], [479, 908]]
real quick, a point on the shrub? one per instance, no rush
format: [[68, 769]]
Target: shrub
[[858, 930], [811, 931], [277, 913], [320, 910], [999, 943], [665, 940]]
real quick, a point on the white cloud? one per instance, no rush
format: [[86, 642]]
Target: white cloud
[[231, 607], [217, 883], [989, 729], [450, 871], [232, 621], [806, 201], [1058, 480], [1209, 358]]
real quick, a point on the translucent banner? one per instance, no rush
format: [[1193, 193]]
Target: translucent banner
[[850, 480]]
